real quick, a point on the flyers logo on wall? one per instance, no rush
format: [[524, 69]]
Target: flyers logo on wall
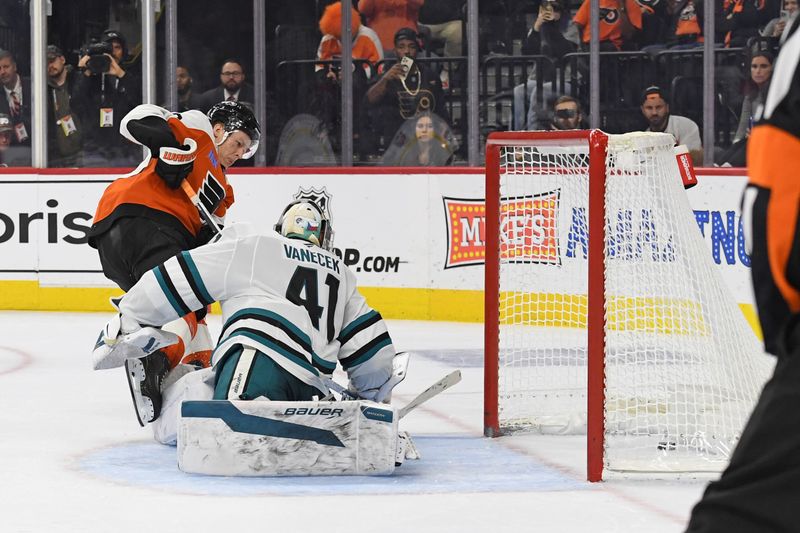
[[528, 230]]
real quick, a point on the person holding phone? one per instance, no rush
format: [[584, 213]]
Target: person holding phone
[[775, 27], [405, 90]]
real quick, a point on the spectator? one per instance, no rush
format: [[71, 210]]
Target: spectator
[[686, 29], [304, 142], [546, 35], [619, 21], [366, 44], [755, 93], [64, 127], [741, 20], [232, 88], [425, 141], [567, 114], [326, 106], [775, 27], [655, 22], [400, 94], [6, 131], [655, 108], [106, 92], [386, 17], [186, 98], [16, 105], [442, 20]]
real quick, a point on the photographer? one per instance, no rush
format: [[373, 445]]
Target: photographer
[[65, 130], [107, 92]]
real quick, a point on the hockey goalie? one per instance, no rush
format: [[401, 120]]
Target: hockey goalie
[[291, 312]]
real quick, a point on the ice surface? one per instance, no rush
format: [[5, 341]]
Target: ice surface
[[73, 457]]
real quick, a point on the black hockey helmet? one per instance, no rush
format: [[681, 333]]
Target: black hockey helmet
[[237, 116]]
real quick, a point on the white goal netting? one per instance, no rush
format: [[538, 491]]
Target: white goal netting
[[683, 367]]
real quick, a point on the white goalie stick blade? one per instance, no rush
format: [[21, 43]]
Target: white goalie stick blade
[[440, 386], [131, 346]]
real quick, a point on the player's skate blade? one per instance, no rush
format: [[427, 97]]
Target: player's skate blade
[[145, 376]]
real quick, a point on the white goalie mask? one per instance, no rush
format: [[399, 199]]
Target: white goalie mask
[[303, 219]]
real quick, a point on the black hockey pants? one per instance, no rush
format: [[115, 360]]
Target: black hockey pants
[[760, 490]]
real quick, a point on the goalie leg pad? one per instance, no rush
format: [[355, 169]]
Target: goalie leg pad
[[188, 383], [264, 438]]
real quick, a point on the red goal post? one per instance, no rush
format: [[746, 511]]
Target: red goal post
[[563, 301]]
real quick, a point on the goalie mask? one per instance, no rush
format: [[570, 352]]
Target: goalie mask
[[303, 219], [237, 116]]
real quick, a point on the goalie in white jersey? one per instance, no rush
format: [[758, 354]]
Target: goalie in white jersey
[[290, 307]]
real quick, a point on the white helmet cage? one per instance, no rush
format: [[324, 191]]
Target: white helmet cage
[[303, 219]]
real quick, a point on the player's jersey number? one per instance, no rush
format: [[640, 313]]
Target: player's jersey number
[[304, 281]]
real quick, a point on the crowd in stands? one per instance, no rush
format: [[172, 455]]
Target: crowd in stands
[[409, 92]]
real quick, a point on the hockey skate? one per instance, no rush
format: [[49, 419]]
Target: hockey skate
[[145, 377]]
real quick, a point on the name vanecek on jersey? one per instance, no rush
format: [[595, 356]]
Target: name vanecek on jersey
[[311, 256]]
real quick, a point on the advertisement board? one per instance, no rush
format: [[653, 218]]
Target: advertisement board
[[416, 241]]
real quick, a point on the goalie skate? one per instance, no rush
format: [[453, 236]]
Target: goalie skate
[[145, 377]]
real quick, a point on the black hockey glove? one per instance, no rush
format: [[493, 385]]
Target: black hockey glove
[[177, 161], [174, 164]]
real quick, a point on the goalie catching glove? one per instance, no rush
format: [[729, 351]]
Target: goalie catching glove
[[123, 338]]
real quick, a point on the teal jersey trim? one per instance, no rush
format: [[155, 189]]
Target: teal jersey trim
[[197, 279], [272, 345], [355, 323], [270, 315], [168, 293], [369, 354]]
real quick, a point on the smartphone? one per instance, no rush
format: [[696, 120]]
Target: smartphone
[[784, 14], [407, 63]]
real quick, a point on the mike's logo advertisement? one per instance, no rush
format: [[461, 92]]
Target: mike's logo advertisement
[[528, 230]]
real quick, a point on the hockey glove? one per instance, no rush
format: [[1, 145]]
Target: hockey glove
[[175, 164], [123, 338], [383, 393]]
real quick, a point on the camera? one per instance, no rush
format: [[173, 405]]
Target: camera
[[98, 62]]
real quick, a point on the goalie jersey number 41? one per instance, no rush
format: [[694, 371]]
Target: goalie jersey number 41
[[291, 300]]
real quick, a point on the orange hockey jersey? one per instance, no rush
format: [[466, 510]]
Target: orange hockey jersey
[[143, 193]]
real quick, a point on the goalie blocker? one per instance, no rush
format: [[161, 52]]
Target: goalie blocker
[[266, 438]]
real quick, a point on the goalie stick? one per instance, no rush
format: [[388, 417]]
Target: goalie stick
[[437, 388]]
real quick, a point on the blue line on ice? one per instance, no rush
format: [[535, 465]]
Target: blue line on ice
[[449, 465]]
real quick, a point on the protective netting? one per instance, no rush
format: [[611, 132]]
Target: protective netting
[[683, 366]]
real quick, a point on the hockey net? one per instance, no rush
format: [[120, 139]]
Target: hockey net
[[604, 311]]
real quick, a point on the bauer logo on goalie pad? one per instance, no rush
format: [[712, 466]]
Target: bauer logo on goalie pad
[[528, 230], [260, 438]]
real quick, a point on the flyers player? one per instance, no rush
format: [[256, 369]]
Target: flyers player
[[146, 217], [760, 489]]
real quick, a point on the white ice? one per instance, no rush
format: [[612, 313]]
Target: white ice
[[74, 459]]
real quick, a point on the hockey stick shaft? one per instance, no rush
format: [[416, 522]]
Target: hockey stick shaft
[[437, 388], [204, 214]]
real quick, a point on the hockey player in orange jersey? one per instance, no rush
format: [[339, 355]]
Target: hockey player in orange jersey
[[147, 216]]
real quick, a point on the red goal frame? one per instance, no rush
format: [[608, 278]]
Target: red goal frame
[[598, 147]]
